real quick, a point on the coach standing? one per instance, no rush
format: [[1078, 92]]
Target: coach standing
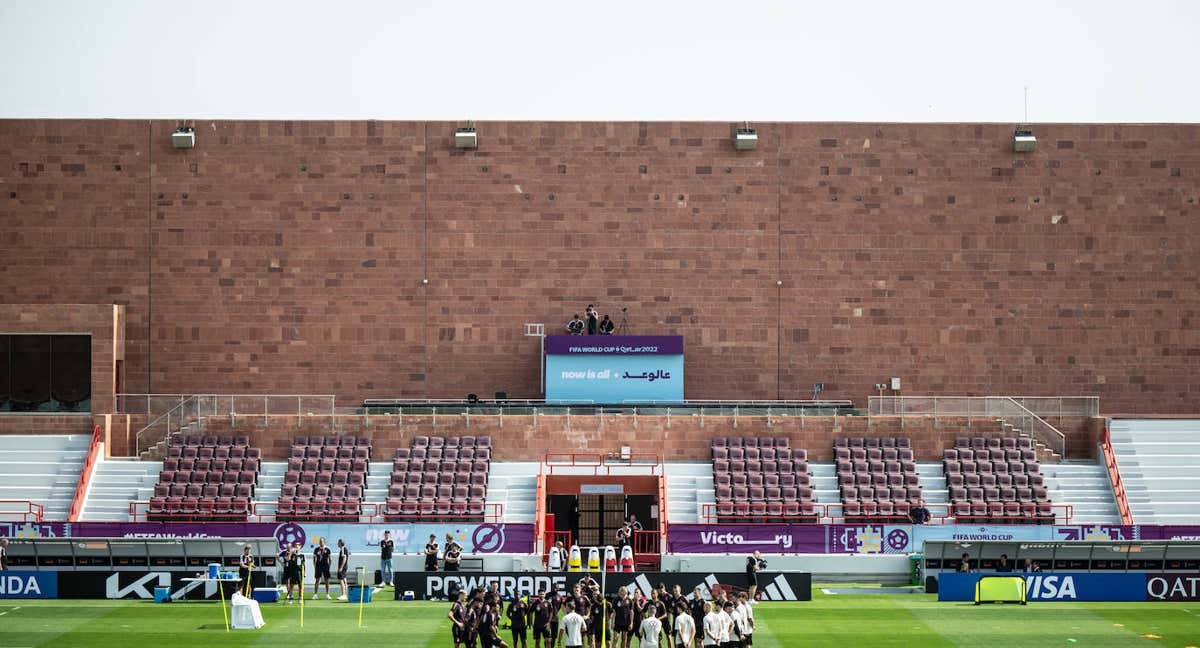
[[385, 558], [3, 554], [431, 553]]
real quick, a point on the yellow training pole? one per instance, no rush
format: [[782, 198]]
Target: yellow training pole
[[362, 595], [224, 612], [249, 578], [301, 593]]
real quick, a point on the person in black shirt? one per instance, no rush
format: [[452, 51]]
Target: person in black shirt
[[662, 608], [623, 535], [592, 322], [458, 619], [575, 326], [964, 565], [697, 610], [245, 567], [471, 624], [596, 620], [431, 554], [453, 557], [518, 621], [343, 567], [754, 563], [385, 558], [3, 554], [623, 618], [606, 326], [1004, 566], [489, 628], [290, 559], [582, 602], [919, 514], [322, 557], [545, 619]]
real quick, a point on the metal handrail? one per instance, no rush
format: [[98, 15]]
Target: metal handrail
[[85, 475], [194, 407], [977, 405], [29, 511], [1008, 408], [1114, 478]]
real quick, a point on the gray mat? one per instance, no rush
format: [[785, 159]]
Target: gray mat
[[873, 590]]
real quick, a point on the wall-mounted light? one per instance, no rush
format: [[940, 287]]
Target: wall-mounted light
[[184, 137], [1023, 140], [466, 138], [745, 139]]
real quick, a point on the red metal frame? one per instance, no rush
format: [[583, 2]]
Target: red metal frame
[[602, 463], [1114, 477], [368, 513], [27, 510], [550, 538], [85, 475], [835, 514]]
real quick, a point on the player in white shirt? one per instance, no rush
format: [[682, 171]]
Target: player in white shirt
[[745, 619], [685, 626], [712, 626], [728, 638], [571, 628], [651, 629]]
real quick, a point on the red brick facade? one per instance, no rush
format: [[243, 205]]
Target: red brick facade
[[289, 257]]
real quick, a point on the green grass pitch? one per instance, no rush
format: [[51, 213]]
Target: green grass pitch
[[842, 621]]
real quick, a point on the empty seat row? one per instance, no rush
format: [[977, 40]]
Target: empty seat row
[[444, 453], [1001, 466], [876, 467], [873, 442], [452, 442], [996, 480], [436, 510], [873, 454], [791, 511], [208, 440], [207, 477], [894, 493], [755, 466], [750, 442], [761, 479], [440, 477], [1002, 443], [879, 479], [327, 465], [986, 454], [213, 452], [334, 440], [219, 465], [192, 508], [1000, 480], [330, 452], [205, 491], [757, 454], [739, 494]]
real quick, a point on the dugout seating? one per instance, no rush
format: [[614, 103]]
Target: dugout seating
[[439, 478], [206, 477], [761, 479], [325, 479], [877, 478], [997, 481]]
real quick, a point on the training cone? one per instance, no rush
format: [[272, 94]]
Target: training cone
[[593, 559], [575, 560], [610, 559]]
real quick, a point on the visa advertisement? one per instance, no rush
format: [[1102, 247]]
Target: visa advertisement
[[613, 369], [1128, 586]]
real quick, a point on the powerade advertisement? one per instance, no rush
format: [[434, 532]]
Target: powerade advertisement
[[614, 369], [1131, 586]]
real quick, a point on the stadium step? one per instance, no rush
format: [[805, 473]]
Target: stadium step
[[1159, 461], [116, 483], [43, 469]]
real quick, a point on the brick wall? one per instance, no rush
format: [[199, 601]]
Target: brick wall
[[525, 438], [288, 257], [46, 423]]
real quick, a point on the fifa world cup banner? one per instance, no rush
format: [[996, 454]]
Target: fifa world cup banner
[[614, 369], [360, 538]]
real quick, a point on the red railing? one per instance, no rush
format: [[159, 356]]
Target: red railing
[[539, 515], [85, 475], [796, 513], [1114, 477], [20, 511], [577, 463], [360, 512]]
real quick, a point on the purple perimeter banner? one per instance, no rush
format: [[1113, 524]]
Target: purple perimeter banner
[[614, 345]]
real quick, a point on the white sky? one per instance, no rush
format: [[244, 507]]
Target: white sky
[[870, 60]]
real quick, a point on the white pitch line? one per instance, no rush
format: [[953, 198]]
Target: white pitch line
[[12, 610]]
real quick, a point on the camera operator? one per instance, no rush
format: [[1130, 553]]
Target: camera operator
[[754, 564]]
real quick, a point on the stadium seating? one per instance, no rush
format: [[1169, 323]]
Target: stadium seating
[[996, 480], [439, 478], [761, 478], [206, 478], [877, 478], [325, 479]]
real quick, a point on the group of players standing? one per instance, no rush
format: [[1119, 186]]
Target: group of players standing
[[577, 620], [292, 561]]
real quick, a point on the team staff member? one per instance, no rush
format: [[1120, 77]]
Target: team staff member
[[453, 556], [571, 628], [290, 559], [386, 546], [545, 619], [458, 619], [685, 627], [3, 554], [754, 562], [322, 558], [245, 566], [431, 553], [712, 626], [343, 567], [518, 615]]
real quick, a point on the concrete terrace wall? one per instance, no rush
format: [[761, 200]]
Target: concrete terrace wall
[[526, 438], [289, 257]]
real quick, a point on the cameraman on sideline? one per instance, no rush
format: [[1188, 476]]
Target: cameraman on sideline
[[754, 564]]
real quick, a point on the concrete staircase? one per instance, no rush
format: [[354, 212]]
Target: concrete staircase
[[689, 488], [513, 484], [43, 469], [1159, 462], [116, 483], [1085, 486]]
